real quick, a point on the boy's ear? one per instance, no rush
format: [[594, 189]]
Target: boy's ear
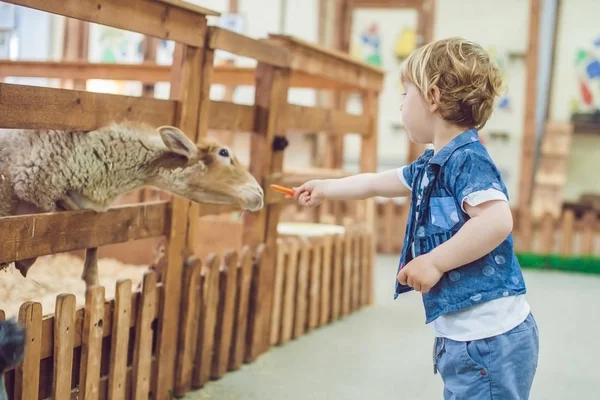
[[177, 141], [433, 98]]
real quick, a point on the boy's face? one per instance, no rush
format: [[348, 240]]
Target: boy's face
[[416, 115]]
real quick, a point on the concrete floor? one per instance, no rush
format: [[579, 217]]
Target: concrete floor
[[384, 352]]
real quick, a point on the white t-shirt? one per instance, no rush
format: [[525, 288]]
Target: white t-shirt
[[486, 319]]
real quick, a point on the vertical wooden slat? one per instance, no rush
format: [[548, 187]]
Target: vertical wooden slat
[[338, 263], [252, 340], [27, 374], [547, 233], [302, 288], [278, 291], [289, 298], [526, 230], [314, 285], [186, 86], [208, 319], [568, 222], [64, 334], [326, 286], [587, 238], [244, 279], [225, 314], [142, 357], [388, 221], [188, 330], [355, 275], [347, 273], [91, 343], [367, 270], [119, 340], [271, 93], [368, 153]]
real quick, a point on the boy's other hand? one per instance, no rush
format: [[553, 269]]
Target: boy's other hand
[[309, 194], [421, 274]]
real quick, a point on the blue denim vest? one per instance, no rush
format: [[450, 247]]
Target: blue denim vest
[[439, 184]]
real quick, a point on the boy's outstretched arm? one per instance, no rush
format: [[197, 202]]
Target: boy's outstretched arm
[[490, 223], [355, 187]]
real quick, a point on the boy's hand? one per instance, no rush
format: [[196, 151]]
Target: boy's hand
[[421, 274], [309, 194]]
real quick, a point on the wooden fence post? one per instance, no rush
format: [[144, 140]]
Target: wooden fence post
[[266, 157], [188, 86], [368, 163]]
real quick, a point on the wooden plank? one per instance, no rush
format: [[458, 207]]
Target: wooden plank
[[244, 280], [589, 233], [314, 285], [64, 333], [526, 230], [302, 288], [188, 330], [254, 307], [338, 263], [568, 222], [27, 374], [388, 221], [368, 154], [32, 107], [333, 122], [315, 50], [208, 319], [244, 76], [119, 340], [231, 117], [145, 72], [278, 289], [337, 66], [187, 88], [142, 356], [289, 300], [547, 236], [367, 270], [27, 236], [91, 343], [166, 19], [245, 46], [271, 95], [326, 280], [529, 132], [225, 314], [356, 271], [347, 274]]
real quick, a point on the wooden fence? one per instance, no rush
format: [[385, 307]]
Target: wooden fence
[[567, 235], [177, 332], [108, 349]]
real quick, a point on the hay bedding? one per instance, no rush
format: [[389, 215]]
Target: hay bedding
[[56, 274]]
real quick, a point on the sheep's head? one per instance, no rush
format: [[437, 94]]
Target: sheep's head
[[205, 173]]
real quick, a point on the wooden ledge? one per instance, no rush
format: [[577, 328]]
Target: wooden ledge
[[166, 19], [245, 46], [27, 236]]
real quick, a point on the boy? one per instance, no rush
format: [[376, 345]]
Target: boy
[[458, 251]]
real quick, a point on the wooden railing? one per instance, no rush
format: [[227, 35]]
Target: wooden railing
[[567, 235]]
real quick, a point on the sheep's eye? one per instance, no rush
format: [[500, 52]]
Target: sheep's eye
[[223, 153]]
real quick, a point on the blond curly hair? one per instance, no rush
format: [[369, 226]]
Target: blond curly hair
[[465, 75]]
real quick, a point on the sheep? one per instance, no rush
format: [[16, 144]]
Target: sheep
[[46, 171]]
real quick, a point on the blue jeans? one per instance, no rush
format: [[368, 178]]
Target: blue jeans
[[501, 367]]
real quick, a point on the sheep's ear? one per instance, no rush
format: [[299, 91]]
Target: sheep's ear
[[177, 141]]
